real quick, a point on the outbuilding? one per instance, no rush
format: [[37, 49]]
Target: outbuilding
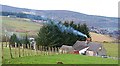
[[66, 49]]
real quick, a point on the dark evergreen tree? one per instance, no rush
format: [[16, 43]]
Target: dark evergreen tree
[[13, 39], [50, 35], [25, 40]]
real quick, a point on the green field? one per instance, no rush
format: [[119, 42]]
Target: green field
[[65, 58], [19, 24], [111, 48], [53, 59]]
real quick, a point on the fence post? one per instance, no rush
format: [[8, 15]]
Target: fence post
[[56, 50], [2, 52], [15, 50], [19, 50], [10, 51], [27, 49], [6, 39], [46, 50], [30, 50], [49, 51], [42, 49], [38, 49], [35, 50], [23, 49], [52, 50]]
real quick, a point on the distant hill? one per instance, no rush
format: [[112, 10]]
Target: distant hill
[[62, 15], [20, 25]]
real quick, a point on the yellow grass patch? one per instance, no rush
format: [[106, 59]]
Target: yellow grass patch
[[101, 38]]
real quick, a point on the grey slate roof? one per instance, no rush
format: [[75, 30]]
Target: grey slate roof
[[79, 45], [93, 46], [67, 48]]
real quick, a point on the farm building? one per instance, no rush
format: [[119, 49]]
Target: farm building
[[66, 49], [90, 49]]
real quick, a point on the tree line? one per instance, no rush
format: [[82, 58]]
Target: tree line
[[19, 41], [22, 15], [50, 35]]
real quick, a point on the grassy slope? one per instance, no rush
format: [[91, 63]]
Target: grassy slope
[[13, 24], [112, 49], [65, 58], [100, 37]]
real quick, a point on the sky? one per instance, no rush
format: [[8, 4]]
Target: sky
[[107, 8]]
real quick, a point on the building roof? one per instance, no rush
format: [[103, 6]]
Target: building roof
[[93, 46], [79, 45], [67, 48]]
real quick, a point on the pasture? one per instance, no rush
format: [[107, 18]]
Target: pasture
[[54, 58], [20, 25], [65, 58], [111, 48]]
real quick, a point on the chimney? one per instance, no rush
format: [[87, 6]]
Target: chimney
[[87, 41]]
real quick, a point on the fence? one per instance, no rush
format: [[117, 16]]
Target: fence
[[22, 51]]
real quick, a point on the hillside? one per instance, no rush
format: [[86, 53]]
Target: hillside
[[62, 15], [23, 25], [19, 26], [101, 38]]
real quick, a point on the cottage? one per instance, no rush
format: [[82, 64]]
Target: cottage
[[90, 49], [66, 49]]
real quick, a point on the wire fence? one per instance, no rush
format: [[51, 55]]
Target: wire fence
[[10, 51]]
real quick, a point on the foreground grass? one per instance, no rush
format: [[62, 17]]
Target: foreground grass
[[53, 59], [111, 48], [65, 58]]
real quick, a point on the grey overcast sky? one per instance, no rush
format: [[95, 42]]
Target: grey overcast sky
[[92, 7]]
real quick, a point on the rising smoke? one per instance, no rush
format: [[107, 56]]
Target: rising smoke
[[68, 29]]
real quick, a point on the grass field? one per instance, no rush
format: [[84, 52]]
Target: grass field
[[65, 58], [111, 48], [101, 38], [19, 24]]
